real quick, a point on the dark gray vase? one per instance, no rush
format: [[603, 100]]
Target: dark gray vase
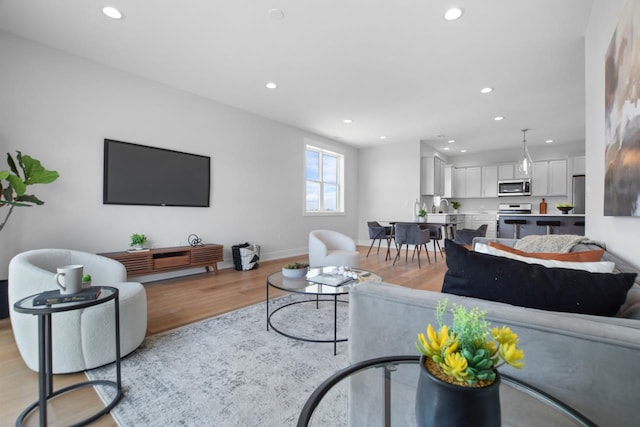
[[441, 404]]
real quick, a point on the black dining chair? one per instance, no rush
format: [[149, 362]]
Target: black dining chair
[[379, 232], [411, 234], [466, 235], [435, 234]]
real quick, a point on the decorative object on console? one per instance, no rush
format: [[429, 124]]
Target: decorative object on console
[[524, 165], [194, 240], [459, 369], [138, 241], [13, 192]]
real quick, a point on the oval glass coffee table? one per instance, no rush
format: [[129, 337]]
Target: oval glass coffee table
[[382, 392], [324, 284]]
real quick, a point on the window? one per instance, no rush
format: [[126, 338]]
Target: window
[[323, 181]]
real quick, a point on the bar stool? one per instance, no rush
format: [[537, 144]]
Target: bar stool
[[516, 225], [548, 224]]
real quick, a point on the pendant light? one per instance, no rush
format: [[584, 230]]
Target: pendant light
[[524, 165]]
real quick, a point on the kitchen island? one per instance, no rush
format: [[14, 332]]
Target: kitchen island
[[519, 225]]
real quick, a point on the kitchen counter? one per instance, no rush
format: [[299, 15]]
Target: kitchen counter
[[543, 215], [515, 225]]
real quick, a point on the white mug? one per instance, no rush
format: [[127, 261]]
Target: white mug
[[69, 278]]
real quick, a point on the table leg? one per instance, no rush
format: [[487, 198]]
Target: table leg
[[44, 365], [335, 325], [267, 304], [387, 394], [117, 321]]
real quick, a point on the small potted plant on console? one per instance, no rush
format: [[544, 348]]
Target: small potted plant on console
[[138, 241]]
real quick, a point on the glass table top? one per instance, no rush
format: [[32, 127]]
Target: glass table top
[[316, 280]]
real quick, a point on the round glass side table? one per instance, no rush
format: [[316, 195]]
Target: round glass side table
[[45, 353]]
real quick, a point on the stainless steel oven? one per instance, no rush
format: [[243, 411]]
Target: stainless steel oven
[[514, 187]]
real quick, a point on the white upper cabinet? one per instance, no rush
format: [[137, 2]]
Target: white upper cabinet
[[448, 181], [505, 171], [490, 181], [549, 178], [474, 182], [432, 176], [579, 165], [459, 182]]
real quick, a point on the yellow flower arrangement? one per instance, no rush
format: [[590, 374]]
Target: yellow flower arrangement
[[470, 351]]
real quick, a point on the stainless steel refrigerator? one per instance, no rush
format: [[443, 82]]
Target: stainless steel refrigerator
[[578, 194]]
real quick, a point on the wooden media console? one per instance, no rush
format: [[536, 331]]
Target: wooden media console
[[160, 260]]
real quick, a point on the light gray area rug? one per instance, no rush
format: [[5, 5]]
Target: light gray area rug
[[230, 371]]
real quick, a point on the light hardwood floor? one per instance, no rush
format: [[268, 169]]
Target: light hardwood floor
[[176, 302]]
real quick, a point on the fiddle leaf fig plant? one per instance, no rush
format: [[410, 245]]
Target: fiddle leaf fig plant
[[14, 182]]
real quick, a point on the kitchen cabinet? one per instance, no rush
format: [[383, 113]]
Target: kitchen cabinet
[[432, 176], [549, 178], [510, 171], [489, 181], [473, 182], [473, 221], [459, 182], [579, 165], [448, 181]]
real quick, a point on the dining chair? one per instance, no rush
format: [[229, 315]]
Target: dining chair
[[435, 234], [466, 235], [411, 234], [379, 232]]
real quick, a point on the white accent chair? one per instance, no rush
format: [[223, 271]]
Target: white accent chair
[[328, 247], [82, 339]]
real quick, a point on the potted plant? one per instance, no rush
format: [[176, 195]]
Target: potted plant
[[455, 205], [422, 214], [138, 241], [295, 270], [14, 185], [459, 367]]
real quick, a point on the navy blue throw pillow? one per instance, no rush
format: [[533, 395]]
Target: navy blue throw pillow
[[500, 279]]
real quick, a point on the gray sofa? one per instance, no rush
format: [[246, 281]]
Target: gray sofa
[[589, 362]]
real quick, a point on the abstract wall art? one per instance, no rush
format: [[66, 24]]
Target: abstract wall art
[[622, 116]]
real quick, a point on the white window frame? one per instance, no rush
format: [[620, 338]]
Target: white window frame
[[339, 183]]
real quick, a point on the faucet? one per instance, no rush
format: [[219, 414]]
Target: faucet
[[443, 200]]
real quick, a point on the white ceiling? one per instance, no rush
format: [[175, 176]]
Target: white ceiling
[[395, 67]]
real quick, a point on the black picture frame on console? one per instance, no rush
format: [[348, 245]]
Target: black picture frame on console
[[136, 174]]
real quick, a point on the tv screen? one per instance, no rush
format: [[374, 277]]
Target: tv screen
[[137, 174]]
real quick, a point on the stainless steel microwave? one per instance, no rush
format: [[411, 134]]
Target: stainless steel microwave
[[514, 187]]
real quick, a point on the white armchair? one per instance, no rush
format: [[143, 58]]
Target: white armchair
[[327, 247], [82, 339]]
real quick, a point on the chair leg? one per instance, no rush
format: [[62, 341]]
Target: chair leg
[[439, 247], [372, 242], [379, 242], [397, 254], [427, 251], [417, 248]]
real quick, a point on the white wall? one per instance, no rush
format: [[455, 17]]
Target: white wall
[[59, 107], [388, 185], [620, 233]]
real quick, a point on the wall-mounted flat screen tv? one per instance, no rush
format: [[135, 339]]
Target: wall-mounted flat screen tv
[[137, 174]]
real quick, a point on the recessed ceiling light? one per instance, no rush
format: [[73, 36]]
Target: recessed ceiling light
[[486, 90], [549, 141], [112, 12], [271, 85], [446, 148], [453, 14], [383, 137], [276, 14], [347, 121], [463, 151], [498, 118], [451, 141]]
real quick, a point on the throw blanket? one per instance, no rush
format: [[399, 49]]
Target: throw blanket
[[552, 243]]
